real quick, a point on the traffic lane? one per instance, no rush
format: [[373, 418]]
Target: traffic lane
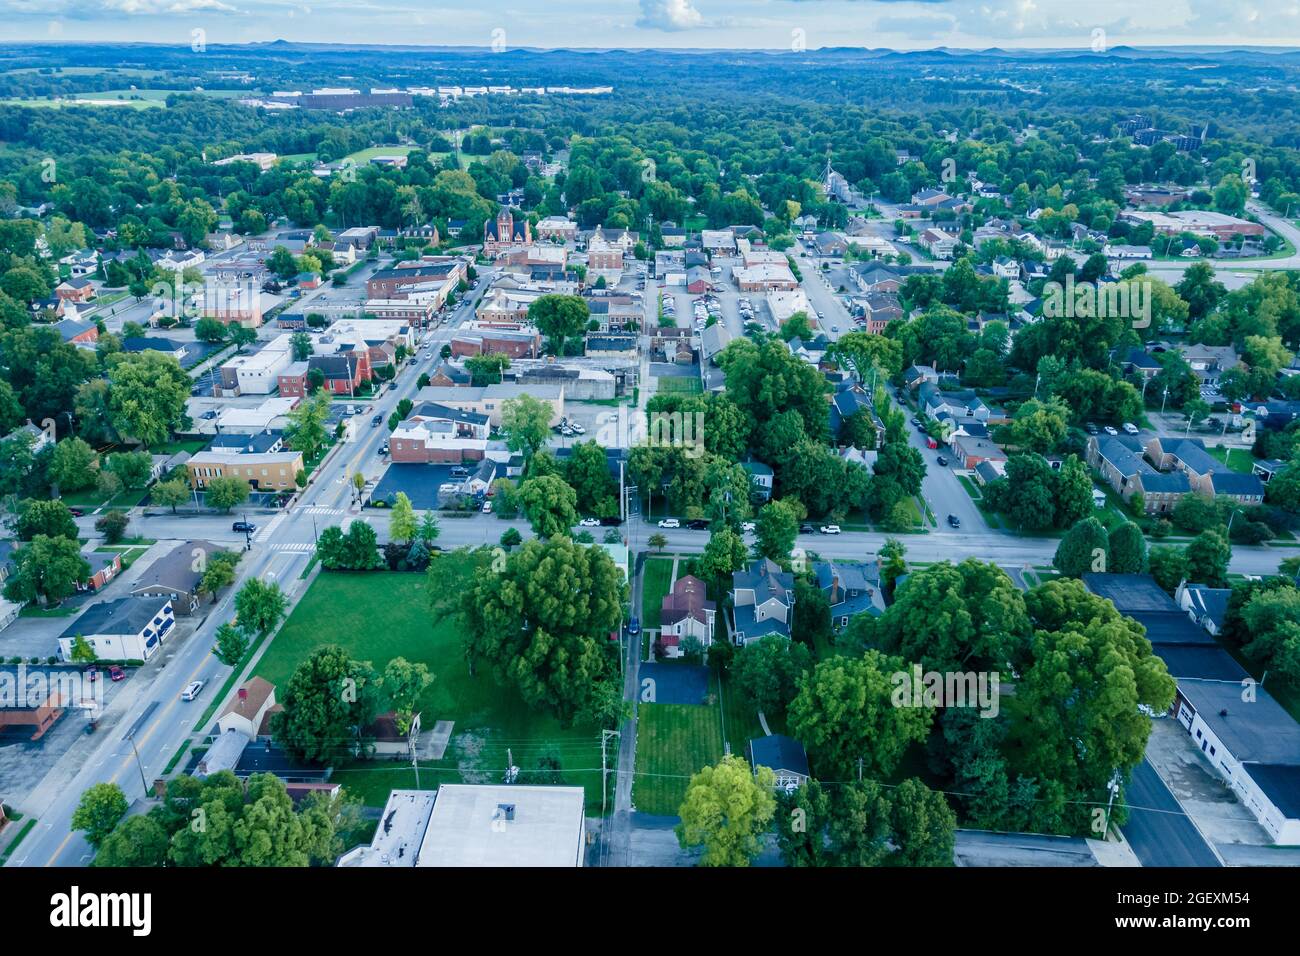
[[1159, 831]]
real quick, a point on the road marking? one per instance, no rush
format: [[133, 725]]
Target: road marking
[[266, 532], [299, 547], [319, 510]]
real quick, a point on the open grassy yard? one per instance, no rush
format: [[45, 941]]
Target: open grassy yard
[[740, 720], [1237, 459], [673, 741], [377, 616], [654, 585], [679, 385]]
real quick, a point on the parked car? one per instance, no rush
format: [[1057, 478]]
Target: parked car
[[1110, 430], [829, 529], [954, 521], [76, 512], [92, 673], [805, 529], [698, 524], [669, 523], [589, 523], [943, 462], [1091, 428], [916, 422], [243, 527], [383, 449], [748, 526], [1130, 428], [192, 690], [634, 627], [487, 507], [611, 522], [575, 427], [116, 673]]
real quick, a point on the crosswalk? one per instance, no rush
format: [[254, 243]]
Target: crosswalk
[[318, 510], [300, 547], [264, 534]]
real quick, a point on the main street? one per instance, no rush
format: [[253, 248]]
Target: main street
[[160, 719]]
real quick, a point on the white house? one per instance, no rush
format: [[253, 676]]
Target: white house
[[122, 630]]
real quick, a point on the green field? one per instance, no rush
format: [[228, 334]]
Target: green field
[[366, 155], [655, 582], [673, 741], [377, 616], [141, 99], [678, 385], [1237, 459]]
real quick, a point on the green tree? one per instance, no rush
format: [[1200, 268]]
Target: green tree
[[541, 620], [403, 683], [775, 531], [137, 841], [559, 318], [724, 554], [72, 465], [1085, 548], [147, 395], [923, 824], [527, 423], [306, 429], [402, 524], [112, 524], [227, 491], [51, 518], [259, 606], [727, 808], [1128, 549], [844, 714], [1208, 555], [101, 806], [46, 567], [134, 468], [231, 646], [329, 698], [768, 672], [550, 505], [170, 493]]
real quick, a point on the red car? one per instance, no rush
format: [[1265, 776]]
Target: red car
[[92, 673], [116, 673], [76, 512]]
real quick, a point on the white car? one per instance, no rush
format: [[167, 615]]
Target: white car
[[1130, 428], [830, 529], [589, 523], [669, 523], [192, 690], [1109, 429], [748, 526], [575, 427]]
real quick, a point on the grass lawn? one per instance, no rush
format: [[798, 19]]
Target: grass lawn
[[679, 384], [1237, 459], [377, 616], [740, 720], [366, 155], [129, 552], [94, 498], [654, 585], [970, 487], [673, 741]]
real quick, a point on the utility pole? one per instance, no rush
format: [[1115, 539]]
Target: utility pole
[[604, 766], [144, 783]]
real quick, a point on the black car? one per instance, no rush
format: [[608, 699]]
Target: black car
[[699, 524], [1091, 428], [954, 521], [611, 522], [943, 462], [806, 529], [243, 527]]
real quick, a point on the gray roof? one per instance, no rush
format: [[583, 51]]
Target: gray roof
[[174, 571], [766, 579], [1170, 627], [1130, 592], [1257, 731], [747, 623], [1207, 601], [1199, 661], [438, 410], [127, 616], [1280, 783], [779, 752], [1236, 483]]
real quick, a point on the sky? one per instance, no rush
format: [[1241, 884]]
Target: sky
[[738, 24]]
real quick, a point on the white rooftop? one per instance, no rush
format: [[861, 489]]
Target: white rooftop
[[401, 829], [500, 825]]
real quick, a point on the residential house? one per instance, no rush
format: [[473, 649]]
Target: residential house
[[1205, 605], [1206, 474], [248, 710], [128, 629], [75, 290], [1120, 461], [176, 575], [851, 588], [686, 613], [104, 566], [784, 756], [762, 598], [78, 332], [760, 478]]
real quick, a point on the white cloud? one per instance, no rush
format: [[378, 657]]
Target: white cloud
[[669, 15]]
